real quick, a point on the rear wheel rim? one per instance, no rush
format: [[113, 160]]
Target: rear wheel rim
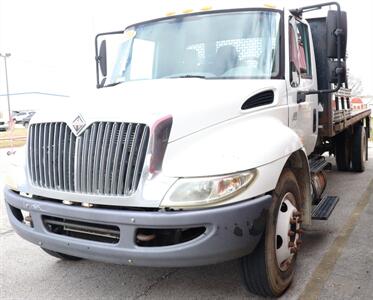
[[287, 238]]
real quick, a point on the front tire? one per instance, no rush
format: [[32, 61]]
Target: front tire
[[269, 270]]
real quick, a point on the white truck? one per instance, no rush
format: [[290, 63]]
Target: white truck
[[3, 121], [204, 143]]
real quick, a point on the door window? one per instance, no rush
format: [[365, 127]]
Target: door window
[[294, 57], [304, 50]]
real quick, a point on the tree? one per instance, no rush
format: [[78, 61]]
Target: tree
[[356, 86]]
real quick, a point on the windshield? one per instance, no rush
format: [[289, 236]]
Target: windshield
[[243, 44]]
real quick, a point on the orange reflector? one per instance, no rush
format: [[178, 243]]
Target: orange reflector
[[171, 13]]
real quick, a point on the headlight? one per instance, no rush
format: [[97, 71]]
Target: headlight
[[204, 191]]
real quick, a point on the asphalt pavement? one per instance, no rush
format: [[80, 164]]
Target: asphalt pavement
[[336, 261]]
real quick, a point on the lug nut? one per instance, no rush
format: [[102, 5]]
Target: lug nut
[[28, 219], [293, 221], [299, 231], [291, 244], [291, 233], [298, 242], [286, 263], [296, 214], [293, 250]]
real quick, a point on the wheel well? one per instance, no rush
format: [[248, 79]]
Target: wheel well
[[298, 163]]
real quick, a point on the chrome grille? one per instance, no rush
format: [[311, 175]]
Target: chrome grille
[[107, 159]]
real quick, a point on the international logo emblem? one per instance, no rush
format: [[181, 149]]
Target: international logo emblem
[[78, 124]]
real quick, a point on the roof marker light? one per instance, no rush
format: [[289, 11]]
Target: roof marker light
[[269, 5], [205, 8], [187, 11], [171, 13]]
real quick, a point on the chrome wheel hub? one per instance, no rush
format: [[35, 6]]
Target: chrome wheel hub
[[287, 238]]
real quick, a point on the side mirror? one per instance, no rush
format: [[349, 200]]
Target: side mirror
[[333, 31], [101, 59], [334, 71]]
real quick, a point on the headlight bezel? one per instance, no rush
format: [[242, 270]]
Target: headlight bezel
[[247, 179]]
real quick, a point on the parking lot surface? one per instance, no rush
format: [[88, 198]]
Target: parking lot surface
[[336, 261]]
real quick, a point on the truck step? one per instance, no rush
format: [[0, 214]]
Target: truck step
[[318, 164], [325, 207]]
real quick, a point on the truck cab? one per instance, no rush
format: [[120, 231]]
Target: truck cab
[[203, 143]]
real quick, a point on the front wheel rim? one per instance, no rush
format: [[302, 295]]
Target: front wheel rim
[[287, 238]]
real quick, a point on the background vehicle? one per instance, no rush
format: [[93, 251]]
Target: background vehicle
[[214, 151], [20, 116], [3, 122], [26, 120]]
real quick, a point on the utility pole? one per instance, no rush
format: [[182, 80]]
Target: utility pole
[[5, 56], [11, 125]]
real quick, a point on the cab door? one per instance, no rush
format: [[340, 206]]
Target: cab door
[[303, 116]]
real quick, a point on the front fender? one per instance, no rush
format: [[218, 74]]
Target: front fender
[[236, 145]]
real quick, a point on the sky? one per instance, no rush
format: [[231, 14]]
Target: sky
[[52, 42]]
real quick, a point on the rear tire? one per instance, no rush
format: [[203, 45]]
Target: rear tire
[[359, 149], [262, 274], [61, 255], [343, 151]]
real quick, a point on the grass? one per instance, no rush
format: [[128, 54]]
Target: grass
[[18, 134]]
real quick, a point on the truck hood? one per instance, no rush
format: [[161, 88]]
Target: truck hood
[[194, 103]]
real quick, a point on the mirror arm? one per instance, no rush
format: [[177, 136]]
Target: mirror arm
[[98, 85], [338, 32], [301, 95]]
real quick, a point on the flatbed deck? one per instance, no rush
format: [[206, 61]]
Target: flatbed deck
[[353, 117], [337, 114]]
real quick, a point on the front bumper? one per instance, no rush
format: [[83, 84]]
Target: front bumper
[[231, 231]]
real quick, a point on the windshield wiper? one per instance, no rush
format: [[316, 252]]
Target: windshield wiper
[[113, 84], [188, 76]]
